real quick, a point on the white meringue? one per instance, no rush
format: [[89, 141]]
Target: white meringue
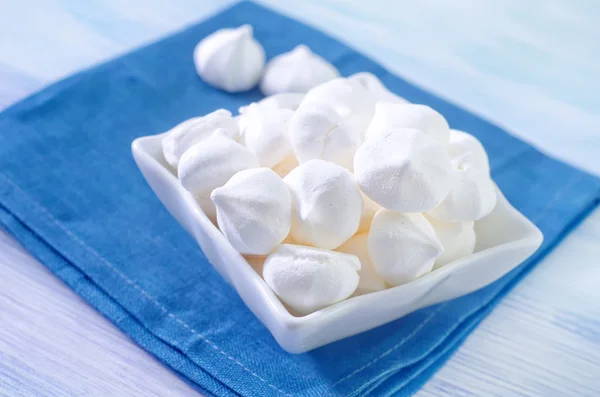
[[254, 210], [288, 100], [472, 195], [256, 262], [316, 131], [390, 116], [264, 131], [402, 247], [461, 143], [208, 207], [286, 166], [457, 238], [296, 71], [288, 240], [403, 170], [308, 279], [368, 280], [211, 162], [369, 208], [186, 134], [353, 103], [377, 89], [230, 59], [326, 204]]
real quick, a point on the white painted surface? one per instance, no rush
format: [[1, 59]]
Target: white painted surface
[[53, 344], [532, 67]]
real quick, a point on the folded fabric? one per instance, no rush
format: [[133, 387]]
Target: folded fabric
[[72, 195]]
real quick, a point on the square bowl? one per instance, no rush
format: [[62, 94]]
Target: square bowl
[[505, 238]]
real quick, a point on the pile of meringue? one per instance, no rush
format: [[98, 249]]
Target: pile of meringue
[[331, 187]]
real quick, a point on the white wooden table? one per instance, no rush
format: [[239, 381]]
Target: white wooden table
[[532, 67]]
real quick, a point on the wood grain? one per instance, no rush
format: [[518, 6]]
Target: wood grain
[[532, 67]]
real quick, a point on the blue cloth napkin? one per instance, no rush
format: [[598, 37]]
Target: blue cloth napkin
[[72, 195]]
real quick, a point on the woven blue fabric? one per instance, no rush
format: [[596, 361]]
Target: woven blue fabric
[[72, 195]]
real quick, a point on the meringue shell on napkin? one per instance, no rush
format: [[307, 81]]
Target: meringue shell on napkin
[[230, 59], [296, 71]]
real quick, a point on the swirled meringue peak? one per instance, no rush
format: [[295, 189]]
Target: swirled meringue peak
[[264, 131], [254, 210], [368, 280], [472, 194], [317, 131], [350, 100], [230, 59], [403, 170], [211, 162], [326, 204], [296, 71], [457, 238], [186, 134], [408, 115], [461, 143], [377, 89], [308, 279], [402, 247]]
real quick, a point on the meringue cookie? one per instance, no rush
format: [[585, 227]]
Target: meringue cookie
[[256, 262], [472, 195], [286, 166], [403, 170], [353, 103], [377, 89], [326, 204], [457, 238], [461, 143], [210, 163], [390, 116], [230, 59], [185, 135], [208, 207], [368, 280], [308, 279], [369, 208], [402, 247], [316, 131], [254, 210], [296, 71], [265, 133], [288, 240], [288, 100]]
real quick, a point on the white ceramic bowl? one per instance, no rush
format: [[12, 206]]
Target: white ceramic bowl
[[505, 238]]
